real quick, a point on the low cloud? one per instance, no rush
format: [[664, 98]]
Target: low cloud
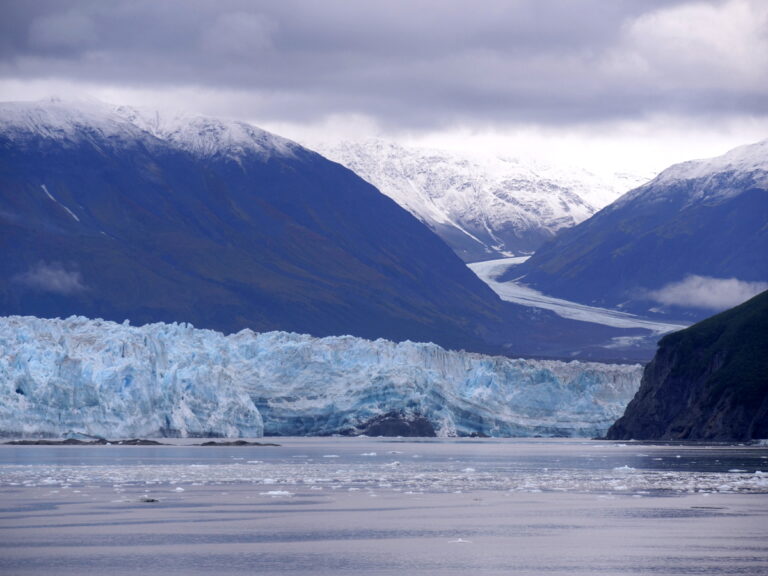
[[416, 66], [51, 277], [705, 292]]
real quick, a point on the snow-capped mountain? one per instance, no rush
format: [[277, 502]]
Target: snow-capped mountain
[[115, 213], [710, 180], [209, 137], [92, 377], [483, 207], [692, 241], [68, 123]]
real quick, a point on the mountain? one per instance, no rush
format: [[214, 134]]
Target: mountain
[[692, 241], [97, 378], [113, 213], [120, 214], [482, 207], [708, 382]]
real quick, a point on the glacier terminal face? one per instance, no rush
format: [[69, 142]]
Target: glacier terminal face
[[75, 376]]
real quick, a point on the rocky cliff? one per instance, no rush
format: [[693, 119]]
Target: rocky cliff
[[708, 382]]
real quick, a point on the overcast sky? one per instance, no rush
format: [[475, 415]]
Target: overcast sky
[[631, 84]]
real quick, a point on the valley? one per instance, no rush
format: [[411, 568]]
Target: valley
[[490, 271]]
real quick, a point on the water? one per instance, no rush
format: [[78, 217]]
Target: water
[[383, 506]]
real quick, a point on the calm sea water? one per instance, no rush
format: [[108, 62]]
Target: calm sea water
[[385, 506]]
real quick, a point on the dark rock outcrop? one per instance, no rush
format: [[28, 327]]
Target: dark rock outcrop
[[78, 442], [708, 382], [397, 424]]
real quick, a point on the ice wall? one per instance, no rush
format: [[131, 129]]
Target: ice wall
[[92, 377]]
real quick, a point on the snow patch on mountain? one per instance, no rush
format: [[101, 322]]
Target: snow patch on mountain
[[92, 377], [76, 120], [208, 137], [747, 159], [710, 180], [63, 122], [482, 206]]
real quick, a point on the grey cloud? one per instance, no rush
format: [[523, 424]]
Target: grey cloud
[[239, 34], [51, 277], [708, 293], [425, 63], [65, 31]]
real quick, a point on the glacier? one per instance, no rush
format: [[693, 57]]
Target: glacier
[[80, 377]]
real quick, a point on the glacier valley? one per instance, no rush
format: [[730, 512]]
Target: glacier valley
[[79, 377], [489, 272]]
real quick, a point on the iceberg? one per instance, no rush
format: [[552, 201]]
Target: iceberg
[[91, 377]]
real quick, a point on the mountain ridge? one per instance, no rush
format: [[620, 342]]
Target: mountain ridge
[[697, 220]]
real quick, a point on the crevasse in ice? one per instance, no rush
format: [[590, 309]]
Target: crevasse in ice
[[78, 376]]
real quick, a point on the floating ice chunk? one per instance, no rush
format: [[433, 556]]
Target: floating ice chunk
[[277, 494], [624, 468]]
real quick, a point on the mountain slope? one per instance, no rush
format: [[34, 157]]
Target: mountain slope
[[708, 382], [112, 214], [699, 228], [483, 208]]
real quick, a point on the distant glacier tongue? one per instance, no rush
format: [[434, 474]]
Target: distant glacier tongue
[[81, 377]]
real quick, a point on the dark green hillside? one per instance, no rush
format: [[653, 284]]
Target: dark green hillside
[[742, 373], [707, 382]]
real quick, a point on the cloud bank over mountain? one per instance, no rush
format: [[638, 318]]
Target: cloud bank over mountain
[[583, 68]]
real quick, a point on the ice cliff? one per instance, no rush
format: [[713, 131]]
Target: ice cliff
[[93, 377]]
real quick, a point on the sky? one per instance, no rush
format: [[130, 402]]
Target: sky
[[620, 85]]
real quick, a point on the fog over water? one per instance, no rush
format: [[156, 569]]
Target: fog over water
[[385, 506]]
